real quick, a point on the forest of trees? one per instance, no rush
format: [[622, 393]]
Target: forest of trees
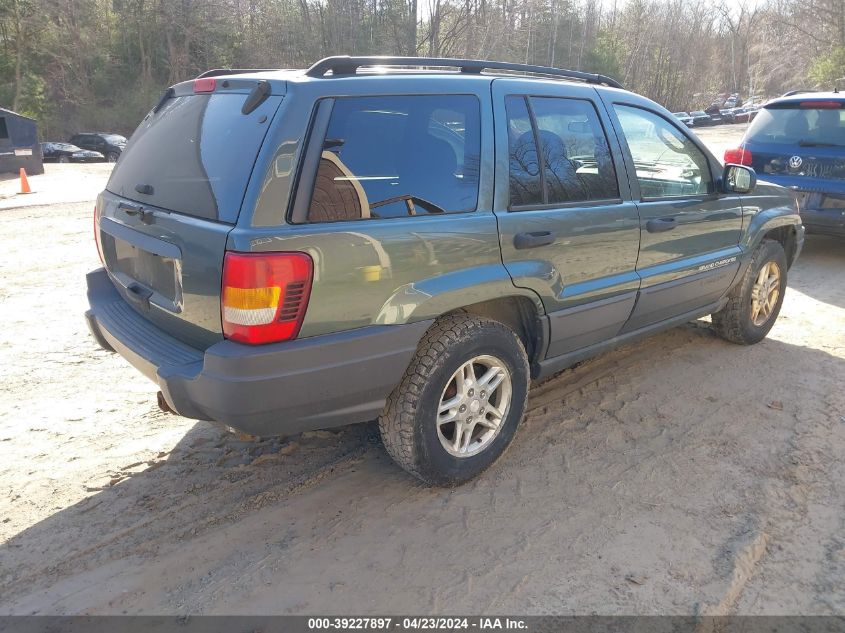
[[75, 64]]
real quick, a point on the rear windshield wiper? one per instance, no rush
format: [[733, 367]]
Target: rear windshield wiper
[[258, 96], [806, 143]]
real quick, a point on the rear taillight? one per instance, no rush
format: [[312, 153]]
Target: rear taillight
[[206, 84], [265, 295], [738, 156], [97, 236]]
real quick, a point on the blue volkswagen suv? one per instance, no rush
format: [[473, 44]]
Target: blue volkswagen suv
[[798, 141]]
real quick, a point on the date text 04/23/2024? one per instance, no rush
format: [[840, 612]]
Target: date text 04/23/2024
[[417, 624]]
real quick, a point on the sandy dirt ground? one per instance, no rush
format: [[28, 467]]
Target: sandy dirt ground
[[721, 137], [679, 475]]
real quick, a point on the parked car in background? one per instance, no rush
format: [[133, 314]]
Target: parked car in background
[[701, 119], [109, 145], [727, 116], [354, 243], [67, 153], [744, 115], [684, 118], [799, 142], [714, 113]]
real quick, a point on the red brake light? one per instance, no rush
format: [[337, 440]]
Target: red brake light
[[206, 84], [97, 236], [821, 104], [738, 156], [265, 295]]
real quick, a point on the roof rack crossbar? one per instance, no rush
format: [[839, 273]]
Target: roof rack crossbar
[[217, 72], [346, 65]]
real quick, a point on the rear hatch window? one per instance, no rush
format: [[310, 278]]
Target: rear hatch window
[[811, 123], [802, 138], [194, 155]]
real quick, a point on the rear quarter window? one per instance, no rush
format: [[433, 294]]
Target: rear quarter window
[[398, 156]]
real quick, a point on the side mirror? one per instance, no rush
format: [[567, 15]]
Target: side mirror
[[738, 179]]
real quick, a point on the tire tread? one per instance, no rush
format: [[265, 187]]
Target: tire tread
[[730, 322], [397, 422]]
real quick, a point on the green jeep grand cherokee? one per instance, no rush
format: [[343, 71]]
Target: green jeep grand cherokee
[[293, 250]]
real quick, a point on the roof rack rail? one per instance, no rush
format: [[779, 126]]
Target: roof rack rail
[[217, 72], [346, 65]]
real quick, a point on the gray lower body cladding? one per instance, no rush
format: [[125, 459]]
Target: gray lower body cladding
[[281, 388]]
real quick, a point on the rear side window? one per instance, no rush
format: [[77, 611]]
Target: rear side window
[[800, 124], [196, 153], [395, 156], [667, 162], [576, 155], [574, 162]]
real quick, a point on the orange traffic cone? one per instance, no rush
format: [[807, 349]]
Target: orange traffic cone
[[24, 182]]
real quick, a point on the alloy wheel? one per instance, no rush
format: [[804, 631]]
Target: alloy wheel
[[473, 406], [765, 293]]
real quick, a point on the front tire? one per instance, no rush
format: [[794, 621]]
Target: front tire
[[754, 303], [460, 401], [112, 157]]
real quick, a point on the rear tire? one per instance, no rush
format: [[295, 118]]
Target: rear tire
[[754, 303], [460, 401]]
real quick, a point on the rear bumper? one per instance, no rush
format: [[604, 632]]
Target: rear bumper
[[821, 203], [281, 388], [824, 221]]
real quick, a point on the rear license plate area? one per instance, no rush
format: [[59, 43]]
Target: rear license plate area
[[153, 271], [156, 267]]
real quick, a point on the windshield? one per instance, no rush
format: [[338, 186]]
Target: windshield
[[194, 156], [797, 125]]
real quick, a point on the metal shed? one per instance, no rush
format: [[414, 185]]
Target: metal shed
[[19, 143]]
